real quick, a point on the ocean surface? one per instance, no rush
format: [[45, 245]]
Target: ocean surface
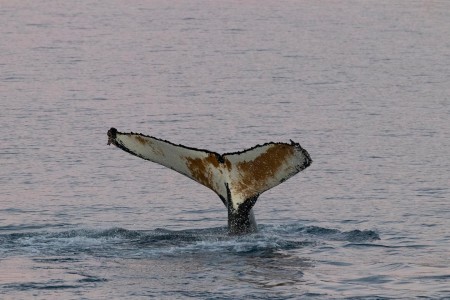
[[364, 86]]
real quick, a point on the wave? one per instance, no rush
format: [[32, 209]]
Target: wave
[[136, 243]]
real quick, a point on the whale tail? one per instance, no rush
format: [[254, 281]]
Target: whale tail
[[238, 178]]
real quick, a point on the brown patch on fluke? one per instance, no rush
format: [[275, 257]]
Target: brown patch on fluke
[[228, 164], [213, 160], [141, 140], [200, 170], [255, 173]]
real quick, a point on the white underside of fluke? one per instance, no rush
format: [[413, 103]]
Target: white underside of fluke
[[247, 174]]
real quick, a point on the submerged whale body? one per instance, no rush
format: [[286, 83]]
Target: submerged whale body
[[238, 178]]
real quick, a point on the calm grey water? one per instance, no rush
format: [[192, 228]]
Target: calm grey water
[[364, 86]]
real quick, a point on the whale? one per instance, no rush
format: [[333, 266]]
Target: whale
[[238, 178]]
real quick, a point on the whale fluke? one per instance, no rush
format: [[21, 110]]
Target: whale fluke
[[238, 178]]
